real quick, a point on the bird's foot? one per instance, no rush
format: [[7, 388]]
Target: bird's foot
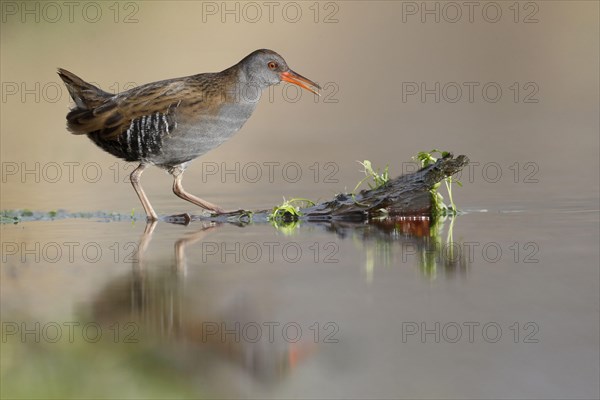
[[217, 211]]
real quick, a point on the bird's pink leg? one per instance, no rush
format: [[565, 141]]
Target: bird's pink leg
[[180, 192], [135, 182]]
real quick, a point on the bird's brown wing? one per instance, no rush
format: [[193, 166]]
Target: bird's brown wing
[[114, 116], [163, 101]]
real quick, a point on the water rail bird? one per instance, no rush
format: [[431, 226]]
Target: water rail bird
[[171, 122]]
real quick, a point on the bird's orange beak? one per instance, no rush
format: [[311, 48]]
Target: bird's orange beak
[[297, 79]]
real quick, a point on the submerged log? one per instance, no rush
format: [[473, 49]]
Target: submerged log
[[403, 196], [406, 195]]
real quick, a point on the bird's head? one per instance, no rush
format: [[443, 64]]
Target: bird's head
[[266, 68]]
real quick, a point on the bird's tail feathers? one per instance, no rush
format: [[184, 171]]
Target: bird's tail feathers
[[85, 95]]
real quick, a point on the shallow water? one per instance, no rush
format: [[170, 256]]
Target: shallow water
[[322, 311]]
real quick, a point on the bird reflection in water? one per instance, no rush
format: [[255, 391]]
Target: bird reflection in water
[[180, 316]]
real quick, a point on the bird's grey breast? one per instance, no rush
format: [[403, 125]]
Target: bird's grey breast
[[195, 135]]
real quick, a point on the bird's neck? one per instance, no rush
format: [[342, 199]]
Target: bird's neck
[[243, 88]]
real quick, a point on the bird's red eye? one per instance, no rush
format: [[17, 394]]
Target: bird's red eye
[[272, 65]]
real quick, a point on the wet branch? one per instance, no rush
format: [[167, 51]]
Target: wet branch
[[406, 195]]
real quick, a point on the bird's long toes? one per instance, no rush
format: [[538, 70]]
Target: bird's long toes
[[218, 211]]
